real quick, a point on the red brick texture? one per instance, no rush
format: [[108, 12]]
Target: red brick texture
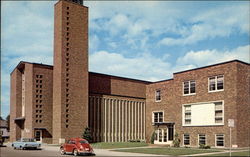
[[235, 96]]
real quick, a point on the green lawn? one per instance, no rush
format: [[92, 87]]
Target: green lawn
[[169, 151], [244, 153], [111, 145]]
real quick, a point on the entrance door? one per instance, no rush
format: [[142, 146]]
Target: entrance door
[[38, 135], [164, 135], [161, 136]]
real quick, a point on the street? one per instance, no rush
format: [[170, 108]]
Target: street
[[53, 151]]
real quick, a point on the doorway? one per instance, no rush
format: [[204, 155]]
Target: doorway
[[38, 135], [164, 135]]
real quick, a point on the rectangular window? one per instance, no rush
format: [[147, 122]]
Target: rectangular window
[[187, 114], [186, 139], [158, 95], [203, 114], [218, 112], [216, 83], [158, 117], [202, 139], [165, 135], [188, 87], [220, 140]]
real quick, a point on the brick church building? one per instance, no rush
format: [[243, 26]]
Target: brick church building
[[54, 103]]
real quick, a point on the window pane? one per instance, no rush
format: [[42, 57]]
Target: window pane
[[202, 139], [165, 135], [186, 87], [212, 83], [158, 95], [219, 140], [155, 117], [192, 86], [186, 139], [170, 133], [220, 82], [160, 117]]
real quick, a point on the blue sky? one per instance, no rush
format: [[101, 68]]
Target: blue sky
[[146, 40]]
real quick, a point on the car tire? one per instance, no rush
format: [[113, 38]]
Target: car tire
[[62, 151], [75, 152]]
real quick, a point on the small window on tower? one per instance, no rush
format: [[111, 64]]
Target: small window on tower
[[67, 8], [67, 30], [67, 18], [67, 13], [67, 23]]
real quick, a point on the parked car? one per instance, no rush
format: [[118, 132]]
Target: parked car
[[77, 146], [25, 143]]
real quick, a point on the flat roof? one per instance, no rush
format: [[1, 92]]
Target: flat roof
[[119, 77], [236, 60], [38, 64]]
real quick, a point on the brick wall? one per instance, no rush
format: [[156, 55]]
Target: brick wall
[[173, 99]]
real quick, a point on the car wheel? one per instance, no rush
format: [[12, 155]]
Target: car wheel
[[62, 151], [75, 152]]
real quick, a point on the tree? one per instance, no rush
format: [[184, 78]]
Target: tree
[[1, 118], [176, 141], [8, 122], [87, 135], [152, 139]]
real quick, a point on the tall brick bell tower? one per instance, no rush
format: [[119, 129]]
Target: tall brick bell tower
[[70, 76]]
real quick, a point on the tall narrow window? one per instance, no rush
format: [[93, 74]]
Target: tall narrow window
[[218, 112], [216, 83], [188, 114], [220, 140], [202, 139], [186, 139], [188, 87], [158, 95]]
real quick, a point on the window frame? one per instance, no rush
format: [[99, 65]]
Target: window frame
[[188, 139], [158, 90], [189, 88], [198, 103], [199, 139], [216, 84], [153, 117], [223, 140]]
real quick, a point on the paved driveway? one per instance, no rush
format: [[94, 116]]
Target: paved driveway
[[53, 151]]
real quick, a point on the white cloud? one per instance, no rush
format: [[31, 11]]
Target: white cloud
[[148, 67], [215, 22], [207, 57], [144, 66]]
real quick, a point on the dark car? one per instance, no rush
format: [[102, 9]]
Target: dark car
[[77, 146]]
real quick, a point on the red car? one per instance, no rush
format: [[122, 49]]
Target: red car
[[77, 146]]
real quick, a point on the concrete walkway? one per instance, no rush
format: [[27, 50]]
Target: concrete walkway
[[206, 154]]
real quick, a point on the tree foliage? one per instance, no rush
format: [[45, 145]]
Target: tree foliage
[[87, 135]]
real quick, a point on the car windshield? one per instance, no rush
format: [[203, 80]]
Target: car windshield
[[83, 141], [28, 140]]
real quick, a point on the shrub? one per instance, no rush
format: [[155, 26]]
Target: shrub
[[176, 141], [152, 139], [87, 135], [137, 140], [202, 146]]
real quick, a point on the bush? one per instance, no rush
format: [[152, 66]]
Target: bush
[[87, 135], [176, 141], [202, 146], [152, 139], [137, 140]]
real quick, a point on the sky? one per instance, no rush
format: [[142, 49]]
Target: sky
[[147, 40]]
